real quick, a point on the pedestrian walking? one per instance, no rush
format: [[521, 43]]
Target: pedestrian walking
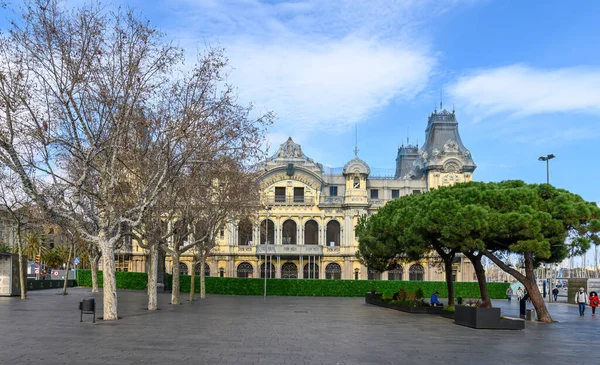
[[581, 298], [509, 293], [555, 293], [594, 302], [520, 294]]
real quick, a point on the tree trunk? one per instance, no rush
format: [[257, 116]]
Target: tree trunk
[[22, 278], [449, 281], [202, 283], [152, 277], [480, 273], [94, 268], [533, 290], [109, 281], [528, 280], [175, 291], [192, 280], [66, 282]]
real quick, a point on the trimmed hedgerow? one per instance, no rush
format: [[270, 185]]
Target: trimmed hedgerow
[[125, 280], [291, 287]]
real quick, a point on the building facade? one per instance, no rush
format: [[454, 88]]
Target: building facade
[[305, 229]]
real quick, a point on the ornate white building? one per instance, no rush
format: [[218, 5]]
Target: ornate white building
[[306, 229]]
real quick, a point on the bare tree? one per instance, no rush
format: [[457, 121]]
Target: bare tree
[[18, 206]]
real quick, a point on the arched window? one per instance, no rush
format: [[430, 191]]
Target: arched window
[[244, 232], [333, 233], [373, 274], [244, 270], [289, 270], [311, 233], [289, 232], [206, 269], [267, 232], [396, 272], [356, 183], [270, 270], [311, 271], [183, 268], [333, 271], [416, 273]]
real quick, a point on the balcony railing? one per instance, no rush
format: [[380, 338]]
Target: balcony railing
[[290, 200], [332, 200], [289, 250]]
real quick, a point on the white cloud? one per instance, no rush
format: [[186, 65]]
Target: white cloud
[[520, 90], [330, 84], [325, 64]]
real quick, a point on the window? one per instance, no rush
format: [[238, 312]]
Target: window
[[270, 270], [311, 233], [311, 271], [416, 192], [289, 232], [289, 270], [416, 273], [206, 269], [333, 233], [244, 232], [267, 232], [183, 268], [395, 273], [280, 194], [333, 271], [333, 191], [244, 270], [298, 195], [374, 275], [395, 194], [374, 194], [356, 183], [222, 233]]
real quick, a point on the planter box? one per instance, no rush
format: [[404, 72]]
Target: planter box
[[404, 308], [447, 314], [484, 318]]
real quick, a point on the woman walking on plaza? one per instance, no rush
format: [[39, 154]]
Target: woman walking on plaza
[[594, 302]]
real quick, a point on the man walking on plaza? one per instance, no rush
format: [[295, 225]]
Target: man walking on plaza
[[581, 298], [555, 293], [509, 293]]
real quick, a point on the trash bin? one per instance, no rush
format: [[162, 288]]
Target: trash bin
[[87, 306], [522, 308], [530, 314]]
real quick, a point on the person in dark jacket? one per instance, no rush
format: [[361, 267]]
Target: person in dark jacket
[[555, 293]]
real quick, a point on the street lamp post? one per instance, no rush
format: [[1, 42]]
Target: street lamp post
[[547, 158]]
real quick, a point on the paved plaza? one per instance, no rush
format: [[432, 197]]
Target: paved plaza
[[45, 329]]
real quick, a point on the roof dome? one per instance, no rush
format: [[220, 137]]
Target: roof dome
[[356, 166]]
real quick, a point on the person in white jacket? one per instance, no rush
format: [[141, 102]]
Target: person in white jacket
[[581, 298]]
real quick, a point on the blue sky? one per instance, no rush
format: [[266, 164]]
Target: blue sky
[[524, 76]]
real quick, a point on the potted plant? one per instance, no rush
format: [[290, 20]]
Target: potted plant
[[475, 315]]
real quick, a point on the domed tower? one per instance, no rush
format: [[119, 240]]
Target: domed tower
[[444, 160], [356, 172]]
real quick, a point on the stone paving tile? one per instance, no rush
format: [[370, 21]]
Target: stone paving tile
[[45, 329]]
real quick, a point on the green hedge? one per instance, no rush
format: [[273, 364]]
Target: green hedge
[[125, 280], [290, 287]]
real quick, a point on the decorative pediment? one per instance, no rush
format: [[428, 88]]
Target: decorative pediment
[[356, 166], [290, 150]]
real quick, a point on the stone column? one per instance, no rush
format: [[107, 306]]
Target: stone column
[[301, 268], [278, 268]]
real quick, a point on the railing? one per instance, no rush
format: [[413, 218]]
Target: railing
[[290, 200], [289, 250], [327, 200]]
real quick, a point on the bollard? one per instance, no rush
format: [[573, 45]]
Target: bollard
[[522, 308]]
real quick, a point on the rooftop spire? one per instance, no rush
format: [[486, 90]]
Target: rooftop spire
[[356, 140], [441, 98]]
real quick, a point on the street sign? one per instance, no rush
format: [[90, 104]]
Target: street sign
[[76, 261], [55, 272], [36, 265], [36, 271]]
